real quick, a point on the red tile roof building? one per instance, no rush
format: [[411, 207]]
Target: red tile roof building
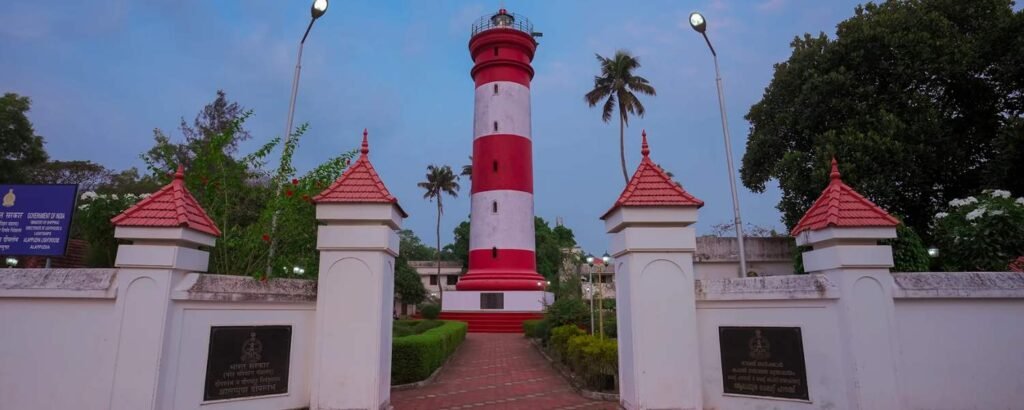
[[359, 184], [171, 206], [651, 186], [841, 206]]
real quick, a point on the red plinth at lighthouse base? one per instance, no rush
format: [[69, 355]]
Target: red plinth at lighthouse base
[[501, 288]]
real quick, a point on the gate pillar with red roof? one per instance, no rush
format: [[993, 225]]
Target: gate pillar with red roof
[[653, 241], [166, 230], [501, 287], [358, 244], [844, 229]]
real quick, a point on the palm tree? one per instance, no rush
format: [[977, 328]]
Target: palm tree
[[440, 180], [467, 170], [616, 86]]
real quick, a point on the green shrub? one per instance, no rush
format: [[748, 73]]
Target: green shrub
[[567, 310], [430, 311], [402, 328], [983, 233], [530, 327], [594, 360], [415, 357], [560, 339]]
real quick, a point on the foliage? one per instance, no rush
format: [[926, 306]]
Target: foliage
[[92, 222], [908, 251], [408, 286], [21, 150], [616, 86], [440, 180], [537, 329], [216, 118], [921, 101], [567, 310], [560, 335], [430, 311], [458, 250], [416, 357], [87, 175], [983, 233], [412, 247], [401, 328], [728, 229], [594, 361]]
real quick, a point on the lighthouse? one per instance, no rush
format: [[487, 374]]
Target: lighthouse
[[501, 287]]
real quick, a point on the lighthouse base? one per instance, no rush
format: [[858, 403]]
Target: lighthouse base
[[494, 311]]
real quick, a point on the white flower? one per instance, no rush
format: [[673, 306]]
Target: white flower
[[88, 195], [995, 213], [999, 193], [941, 215], [975, 214], [113, 196], [144, 196], [83, 207], [970, 200], [1020, 201]]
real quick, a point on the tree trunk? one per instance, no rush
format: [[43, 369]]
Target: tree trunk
[[622, 148], [440, 287]]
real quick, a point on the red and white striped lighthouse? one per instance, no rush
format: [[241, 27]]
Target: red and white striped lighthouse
[[502, 275], [501, 243]]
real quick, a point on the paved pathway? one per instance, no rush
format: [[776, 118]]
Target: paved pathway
[[496, 371]]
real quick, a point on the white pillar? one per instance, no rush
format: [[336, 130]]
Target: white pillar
[[657, 317], [355, 293], [852, 259], [150, 267]]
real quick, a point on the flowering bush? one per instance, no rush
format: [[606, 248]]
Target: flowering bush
[[92, 223], [983, 233]]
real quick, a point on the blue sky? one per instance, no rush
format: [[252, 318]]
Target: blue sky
[[102, 74]]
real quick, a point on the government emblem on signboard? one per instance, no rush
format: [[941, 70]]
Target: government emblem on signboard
[[252, 350], [760, 348], [9, 198]]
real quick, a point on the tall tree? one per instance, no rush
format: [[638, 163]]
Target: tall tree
[[216, 118], [21, 150], [616, 86], [87, 175], [440, 180], [921, 101]]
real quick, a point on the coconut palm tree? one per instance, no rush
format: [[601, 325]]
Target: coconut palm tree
[[440, 180], [467, 170], [616, 87]]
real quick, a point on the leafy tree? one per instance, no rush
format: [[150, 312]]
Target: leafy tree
[[440, 180], [21, 150], [616, 87], [412, 248], [467, 170], [86, 174], [129, 181], [459, 248], [216, 118], [920, 100], [908, 251]]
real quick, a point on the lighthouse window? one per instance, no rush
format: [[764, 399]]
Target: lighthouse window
[[495, 89], [494, 206], [495, 166], [495, 126], [495, 51], [494, 252]]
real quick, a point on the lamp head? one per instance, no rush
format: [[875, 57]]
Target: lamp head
[[933, 252], [697, 22], [590, 260], [318, 9]]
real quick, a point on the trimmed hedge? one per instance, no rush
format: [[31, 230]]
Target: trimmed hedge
[[402, 328], [415, 357], [536, 328], [430, 311]]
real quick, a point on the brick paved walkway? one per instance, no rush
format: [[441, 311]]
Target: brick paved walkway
[[496, 371]]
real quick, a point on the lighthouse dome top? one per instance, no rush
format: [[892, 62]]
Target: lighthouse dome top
[[503, 20]]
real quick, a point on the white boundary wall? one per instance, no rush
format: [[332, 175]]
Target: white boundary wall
[[59, 343]]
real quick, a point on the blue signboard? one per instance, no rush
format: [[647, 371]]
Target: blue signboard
[[35, 220]]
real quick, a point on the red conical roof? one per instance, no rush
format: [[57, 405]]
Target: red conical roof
[[841, 206], [651, 186], [171, 206], [359, 184]]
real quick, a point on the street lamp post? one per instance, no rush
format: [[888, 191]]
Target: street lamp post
[[600, 288], [590, 285], [700, 25], [317, 10]]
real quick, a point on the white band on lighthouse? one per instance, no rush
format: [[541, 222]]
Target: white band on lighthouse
[[504, 112], [511, 227]]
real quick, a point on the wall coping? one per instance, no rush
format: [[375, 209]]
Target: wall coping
[[230, 288], [58, 283], [782, 287], [958, 285]]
